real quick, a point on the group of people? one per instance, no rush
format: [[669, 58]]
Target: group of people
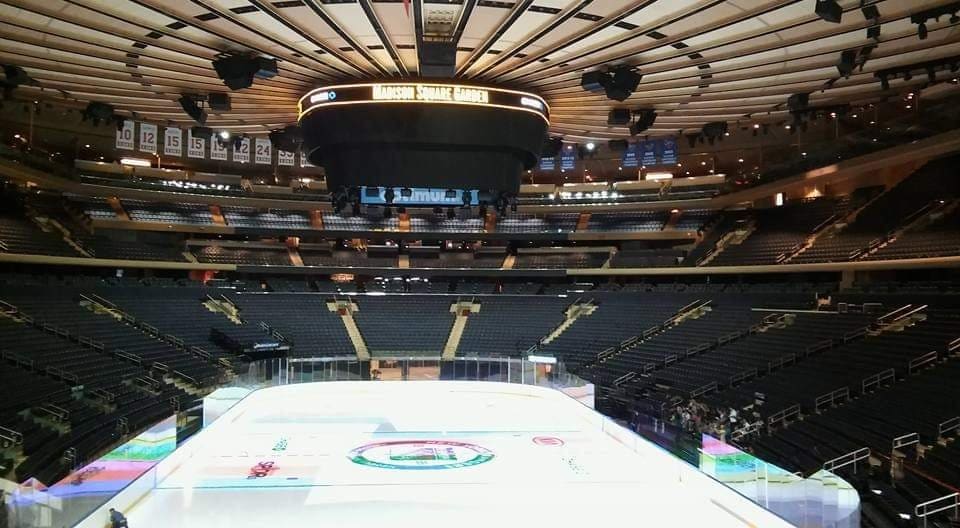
[[697, 417]]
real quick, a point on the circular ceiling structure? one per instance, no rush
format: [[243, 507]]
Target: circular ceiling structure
[[700, 61]]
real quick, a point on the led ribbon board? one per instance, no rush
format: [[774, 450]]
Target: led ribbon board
[[422, 93]]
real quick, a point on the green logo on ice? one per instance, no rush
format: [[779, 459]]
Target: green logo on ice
[[420, 454]]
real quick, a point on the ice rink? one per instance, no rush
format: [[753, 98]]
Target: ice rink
[[429, 454]]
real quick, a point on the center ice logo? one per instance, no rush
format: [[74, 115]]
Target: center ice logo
[[420, 454]]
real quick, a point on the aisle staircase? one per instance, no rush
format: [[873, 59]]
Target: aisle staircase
[[345, 309], [461, 311], [575, 311]]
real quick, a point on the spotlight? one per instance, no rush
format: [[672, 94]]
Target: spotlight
[[590, 146], [645, 120], [829, 11], [287, 138], [224, 134], [847, 62], [192, 109], [623, 83], [870, 12], [238, 71], [97, 112], [201, 132], [873, 32], [219, 102], [922, 31], [618, 117]]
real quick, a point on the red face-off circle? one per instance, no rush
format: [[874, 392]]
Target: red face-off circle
[[551, 441]]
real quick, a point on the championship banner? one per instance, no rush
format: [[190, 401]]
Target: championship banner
[[172, 142], [241, 151], [568, 158], [648, 156], [263, 154], [668, 151], [195, 146], [630, 156], [148, 138], [285, 159], [125, 135], [548, 164], [218, 151]]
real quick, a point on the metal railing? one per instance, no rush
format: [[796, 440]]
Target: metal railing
[[831, 398], [782, 416], [948, 425], [877, 379], [947, 502], [919, 362], [848, 459], [908, 439]]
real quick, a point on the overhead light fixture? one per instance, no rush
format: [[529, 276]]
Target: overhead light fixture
[[135, 162], [829, 11], [590, 146], [848, 60], [644, 120], [98, 112], [922, 31], [288, 138], [224, 134]]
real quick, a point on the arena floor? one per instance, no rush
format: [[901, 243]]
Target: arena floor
[[431, 453]]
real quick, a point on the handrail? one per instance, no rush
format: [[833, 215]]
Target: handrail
[[882, 319], [163, 367], [845, 460], [909, 313], [62, 374], [197, 351], [781, 416], [948, 425], [783, 361], [854, 334], [875, 380], [836, 396], [128, 356], [11, 436], [625, 378], [105, 302], [818, 346], [103, 394], [187, 377], [709, 387], [953, 345], [923, 510], [904, 441], [8, 308], [742, 376], [921, 361]]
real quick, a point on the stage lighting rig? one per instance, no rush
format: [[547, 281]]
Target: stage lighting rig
[[98, 112], [238, 70], [191, 104], [644, 120], [829, 11], [921, 18], [14, 76], [618, 83], [287, 138]]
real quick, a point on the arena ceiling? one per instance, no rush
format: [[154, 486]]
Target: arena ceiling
[[701, 60]]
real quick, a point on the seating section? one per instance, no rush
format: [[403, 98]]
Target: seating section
[[527, 223], [335, 222], [615, 319], [509, 325], [240, 255], [272, 219], [560, 260], [940, 238], [18, 235], [168, 213], [694, 219], [638, 221], [414, 325], [344, 259], [780, 231], [94, 207], [127, 248], [646, 258], [902, 204], [442, 224], [303, 319]]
